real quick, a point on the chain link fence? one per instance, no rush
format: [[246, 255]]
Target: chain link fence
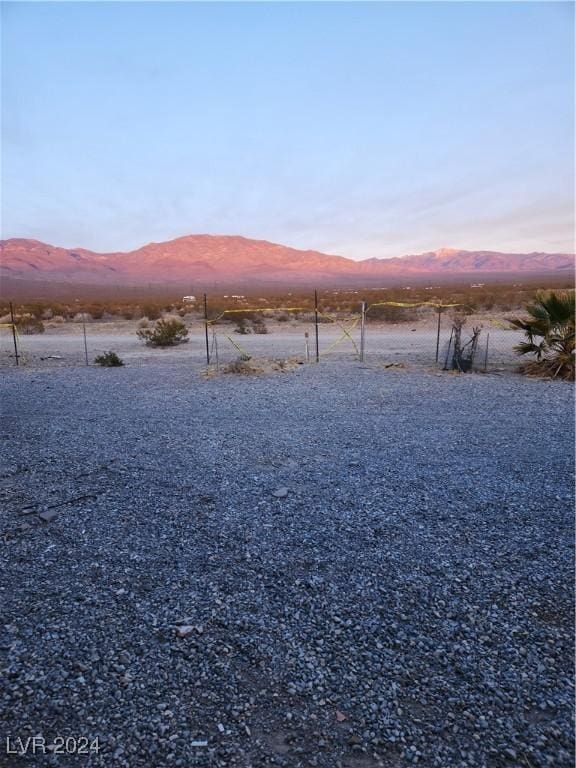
[[447, 336], [421, 334]]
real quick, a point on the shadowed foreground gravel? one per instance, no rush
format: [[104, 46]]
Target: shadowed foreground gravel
[[404, 598]]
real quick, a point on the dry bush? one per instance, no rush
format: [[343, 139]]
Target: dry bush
[[168, 332], [28, 325], [96, 311], [108, 360], [151, 311], [238, 366], [242, 326], [390, 314], [259, 366]]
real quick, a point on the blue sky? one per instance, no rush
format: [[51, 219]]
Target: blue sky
[[363, 129]]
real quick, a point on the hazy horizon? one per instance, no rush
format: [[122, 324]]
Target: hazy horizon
[[357, 129]]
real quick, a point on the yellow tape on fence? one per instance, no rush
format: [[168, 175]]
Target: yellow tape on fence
[[413, 304], [344, 335], [238, 347]]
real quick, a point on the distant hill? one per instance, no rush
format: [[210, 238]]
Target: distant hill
[[204, 259]]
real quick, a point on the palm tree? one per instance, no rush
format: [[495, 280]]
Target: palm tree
[[549, 335]]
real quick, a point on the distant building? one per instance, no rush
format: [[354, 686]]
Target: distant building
[[189, 298]]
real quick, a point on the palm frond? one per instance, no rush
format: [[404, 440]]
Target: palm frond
[[551, 321]]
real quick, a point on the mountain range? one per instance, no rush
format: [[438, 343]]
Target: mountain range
[[211, 259]]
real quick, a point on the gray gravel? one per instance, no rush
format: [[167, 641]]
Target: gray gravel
[[339, 566]]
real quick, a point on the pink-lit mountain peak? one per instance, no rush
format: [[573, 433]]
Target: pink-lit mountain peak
[[219, 258]]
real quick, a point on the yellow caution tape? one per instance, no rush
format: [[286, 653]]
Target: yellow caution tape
[[238, 347], [413, 304], [344, 335]]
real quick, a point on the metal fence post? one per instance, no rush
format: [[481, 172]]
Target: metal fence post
[[486, 352], [448, 350], [362, 330], [316, 324], [216, 349], [14, 334], [206, 329], [85, 342], [438, 333]]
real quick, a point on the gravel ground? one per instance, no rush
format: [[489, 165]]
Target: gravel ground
[[337, 566]]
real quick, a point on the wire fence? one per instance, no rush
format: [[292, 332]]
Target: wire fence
[[447, 336]]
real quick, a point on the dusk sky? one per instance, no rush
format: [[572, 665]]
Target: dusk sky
[[362, 129]]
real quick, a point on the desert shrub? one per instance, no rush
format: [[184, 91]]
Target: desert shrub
[[57, 319], [96, 311], [151, 311], [244, 315], [550, 331], [108, 360], [166, 333], [47, 314], [143, 323], [82, 316], [28, 324], [36, 310], [259, 326], [240, 366], [242, 326], [282, 317], [388, 313]]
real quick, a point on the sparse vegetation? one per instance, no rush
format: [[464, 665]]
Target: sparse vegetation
[[108, 360], [257, 366], [80, 317], [494, 297], [239, 366], [258, 325], [390, 314], [151, 311], [167, 332], [29, 324], [549, 330], [242, 326], [250, 324]]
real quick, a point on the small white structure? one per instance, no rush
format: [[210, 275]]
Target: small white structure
[[189, 299]]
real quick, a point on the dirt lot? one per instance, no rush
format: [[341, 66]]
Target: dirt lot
[[409, 343]]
